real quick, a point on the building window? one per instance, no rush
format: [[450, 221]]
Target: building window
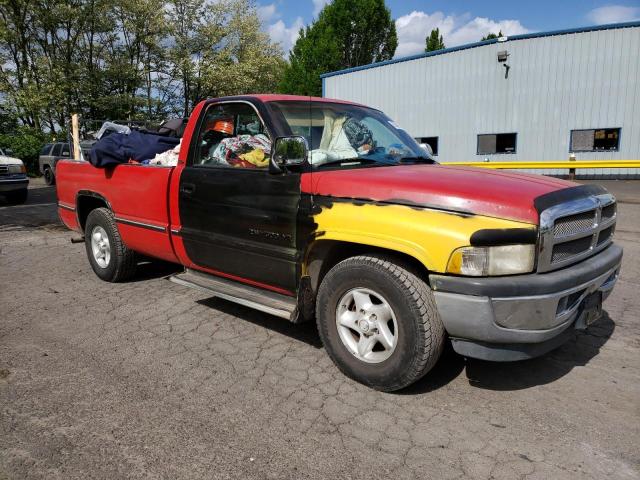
[[489, 144], [595, 140], [431, 141]]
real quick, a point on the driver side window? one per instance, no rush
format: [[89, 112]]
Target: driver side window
[[233, 136]]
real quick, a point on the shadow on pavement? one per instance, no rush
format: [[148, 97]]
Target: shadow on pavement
[[545, 369], [303, 332], [38, 211], [36, 196], [148, 269], [448, 368], [480, 374]]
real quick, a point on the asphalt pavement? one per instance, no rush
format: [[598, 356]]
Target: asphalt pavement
[[149, 379]]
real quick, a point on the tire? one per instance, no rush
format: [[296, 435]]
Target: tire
[[49, 177], [19, 197], [113, 261], [415, 324]]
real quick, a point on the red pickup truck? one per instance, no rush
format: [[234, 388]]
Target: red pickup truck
[[310, 208]]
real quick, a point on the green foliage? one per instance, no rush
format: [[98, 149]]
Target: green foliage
[[26, 143], [491, 36], [347, 33], [434, 41], [8, 122], [242, 60], [128, 60]]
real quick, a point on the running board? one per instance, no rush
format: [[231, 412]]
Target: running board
[[265, 301]]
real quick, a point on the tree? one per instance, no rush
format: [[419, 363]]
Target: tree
[[25, 143], [347, 33], [249, 57], [491, 36], [219, 49], [434, 41], [127, 60]]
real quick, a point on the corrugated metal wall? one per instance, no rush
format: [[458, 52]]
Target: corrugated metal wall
[[556, 84]]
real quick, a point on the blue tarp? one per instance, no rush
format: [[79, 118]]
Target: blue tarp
[[118, 148]]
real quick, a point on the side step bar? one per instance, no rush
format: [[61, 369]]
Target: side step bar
[[265, 301]]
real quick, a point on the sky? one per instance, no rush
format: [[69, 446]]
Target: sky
[[459, 21]]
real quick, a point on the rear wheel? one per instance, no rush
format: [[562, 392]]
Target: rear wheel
[[19, 197], [49, 177], [110, 259], [379, 323]]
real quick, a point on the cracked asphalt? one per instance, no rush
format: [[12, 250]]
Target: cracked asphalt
[[149, 379]]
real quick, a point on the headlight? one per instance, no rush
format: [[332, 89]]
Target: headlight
[[17, 168], [488, 261]]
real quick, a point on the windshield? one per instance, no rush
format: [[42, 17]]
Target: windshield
[[343, 135]]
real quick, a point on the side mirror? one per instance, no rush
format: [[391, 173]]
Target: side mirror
[[289, 151], [428, 148]]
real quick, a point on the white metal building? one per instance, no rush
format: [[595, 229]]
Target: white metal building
[[540, 96]]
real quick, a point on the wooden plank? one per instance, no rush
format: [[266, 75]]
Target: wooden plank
[[75, 135]]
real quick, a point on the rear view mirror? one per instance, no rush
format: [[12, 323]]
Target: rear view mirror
[[428, 148], [289, 151]]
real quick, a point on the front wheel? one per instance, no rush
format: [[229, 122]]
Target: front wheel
[[379, 323], [110, 259]]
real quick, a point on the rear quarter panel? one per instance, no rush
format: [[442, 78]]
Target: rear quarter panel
[[136, 195]]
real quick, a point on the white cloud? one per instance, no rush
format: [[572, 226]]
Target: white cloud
[[276, 28], [318, 5], [613, 14], [285, 35], [266, 13], [457, 30]]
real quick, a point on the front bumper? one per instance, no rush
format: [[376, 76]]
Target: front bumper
[[520, 317], [13, 184]]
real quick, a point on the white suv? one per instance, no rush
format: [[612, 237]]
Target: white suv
[[13, 178]]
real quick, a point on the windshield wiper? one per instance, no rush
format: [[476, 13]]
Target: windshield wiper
[[417, 160], [347, 161]]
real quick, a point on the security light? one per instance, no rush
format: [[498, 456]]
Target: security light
[[502, 58]]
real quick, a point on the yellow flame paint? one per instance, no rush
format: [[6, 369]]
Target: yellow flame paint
[[430, 236]]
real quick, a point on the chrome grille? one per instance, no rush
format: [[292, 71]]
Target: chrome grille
[[609, 212], [566, 250], [575, 230], [4, 169], [605, 235], [582, 222]]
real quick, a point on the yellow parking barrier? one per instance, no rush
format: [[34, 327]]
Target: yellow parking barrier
[[552, 164]]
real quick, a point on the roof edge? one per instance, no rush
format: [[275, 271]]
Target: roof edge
[[523, 36]]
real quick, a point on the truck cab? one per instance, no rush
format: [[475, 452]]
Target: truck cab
[[321, 210]]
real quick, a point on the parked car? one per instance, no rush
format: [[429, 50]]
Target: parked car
[[50, 154], [346, 219], [13, 178]]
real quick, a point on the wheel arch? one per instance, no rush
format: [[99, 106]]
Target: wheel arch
[[86, 202], [323, 255]]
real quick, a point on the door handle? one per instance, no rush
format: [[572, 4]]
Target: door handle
[[187, 188]]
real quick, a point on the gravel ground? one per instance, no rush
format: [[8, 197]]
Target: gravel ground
[[152, 380]]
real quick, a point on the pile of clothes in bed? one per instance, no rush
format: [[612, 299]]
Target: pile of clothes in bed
[[119, 144]]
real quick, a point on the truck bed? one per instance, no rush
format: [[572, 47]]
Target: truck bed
[[139, 196]]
